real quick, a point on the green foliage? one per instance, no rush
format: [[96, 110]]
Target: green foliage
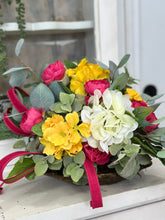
[[20, 18], [19, 46], [56, 88], [19, 167], [80, 158], [17, 78], [115, 148], [6, 133], [41, 97], [69, 65], [120, 82], [141, 113], [19, 144], [37, 129], [41, 167], [16, 69], [65, 104], [56, 165], [161, 154]]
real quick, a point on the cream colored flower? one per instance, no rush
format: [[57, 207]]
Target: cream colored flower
[[109, 122]]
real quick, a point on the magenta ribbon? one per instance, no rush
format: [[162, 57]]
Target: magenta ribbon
[[3, 163], [94, 185]]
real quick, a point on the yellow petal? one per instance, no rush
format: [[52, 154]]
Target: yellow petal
[[72, 119], [75, 149], [84, 129], [74, 136]]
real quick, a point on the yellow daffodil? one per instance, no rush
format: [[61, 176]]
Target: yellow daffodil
[[84, 73], [133, 94], [62, 137]]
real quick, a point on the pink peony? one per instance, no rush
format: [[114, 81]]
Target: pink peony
[[95, 155], [30, 118], [92, 85], [150, 118], [53, 72]]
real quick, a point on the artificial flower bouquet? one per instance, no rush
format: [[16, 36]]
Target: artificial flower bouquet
[[80, 119]]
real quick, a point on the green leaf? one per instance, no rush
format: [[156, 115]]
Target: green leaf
[[18, 78], [120, 82], [114, 163], [155, 106], [130, 169], [56, 165], [114, 72], [102, 65], [16, 115], [16, 69], [6, 133], [37, 129], [131, 149], [51, 159], [67, 160], [79, 101], [77, 173], [162, 139], [69, 65], [141, 113], [40, 167], [115, 148], [70, 167], [67, 98], [30, 176], [161, 154], [64, 173], [33, 145], [37, 158], [82, 181], [19, 167], [123, 60], [143, 159], [41, 97], [56, 88], [19, 46], [80, 158], [158, 121], [19, 144]]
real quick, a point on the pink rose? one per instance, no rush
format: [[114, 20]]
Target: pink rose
[[30, 118], [92, 85], [150, 118], [95, 155], [53, 72]]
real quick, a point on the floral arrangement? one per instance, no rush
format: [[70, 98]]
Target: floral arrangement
[[79, 118]]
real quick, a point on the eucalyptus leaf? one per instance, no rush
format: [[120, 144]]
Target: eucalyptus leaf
[[143, 159], [51, 158], [64, 173], [18, 78], [155, 106], [158, 121], [16, 69], [37, 158], [19, 46], [55, 166], [115, 148], [131, 149], [30, 176], [41, 97], [123, 60], [114, 72], [67, 160], [40, 167], [77, 173], [19, 144], [161, 154], [162, 139], [80, 158], [102, 65], [16, 115], [70, 167], [56, 88], [120, 82]]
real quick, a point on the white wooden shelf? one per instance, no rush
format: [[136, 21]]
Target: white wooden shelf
[[50, 26]]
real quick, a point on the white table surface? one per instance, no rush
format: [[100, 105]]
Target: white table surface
[[48, 198]]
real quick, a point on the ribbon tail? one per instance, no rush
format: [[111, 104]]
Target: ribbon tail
[[94, 186]]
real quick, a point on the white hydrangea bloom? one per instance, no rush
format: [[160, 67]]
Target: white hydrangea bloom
[[109, 122]]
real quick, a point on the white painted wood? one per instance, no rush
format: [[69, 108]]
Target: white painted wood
[[106, 37], [50, 26]]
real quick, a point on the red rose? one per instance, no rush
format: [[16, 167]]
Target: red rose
[[95, 155], [92, 85], [53, 72], [150, 118], [30, 118]]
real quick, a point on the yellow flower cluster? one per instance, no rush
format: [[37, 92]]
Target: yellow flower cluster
[[133, 94], [83, 73], [62, 137]]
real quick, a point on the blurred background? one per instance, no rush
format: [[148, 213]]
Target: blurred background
[[102, 29]]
